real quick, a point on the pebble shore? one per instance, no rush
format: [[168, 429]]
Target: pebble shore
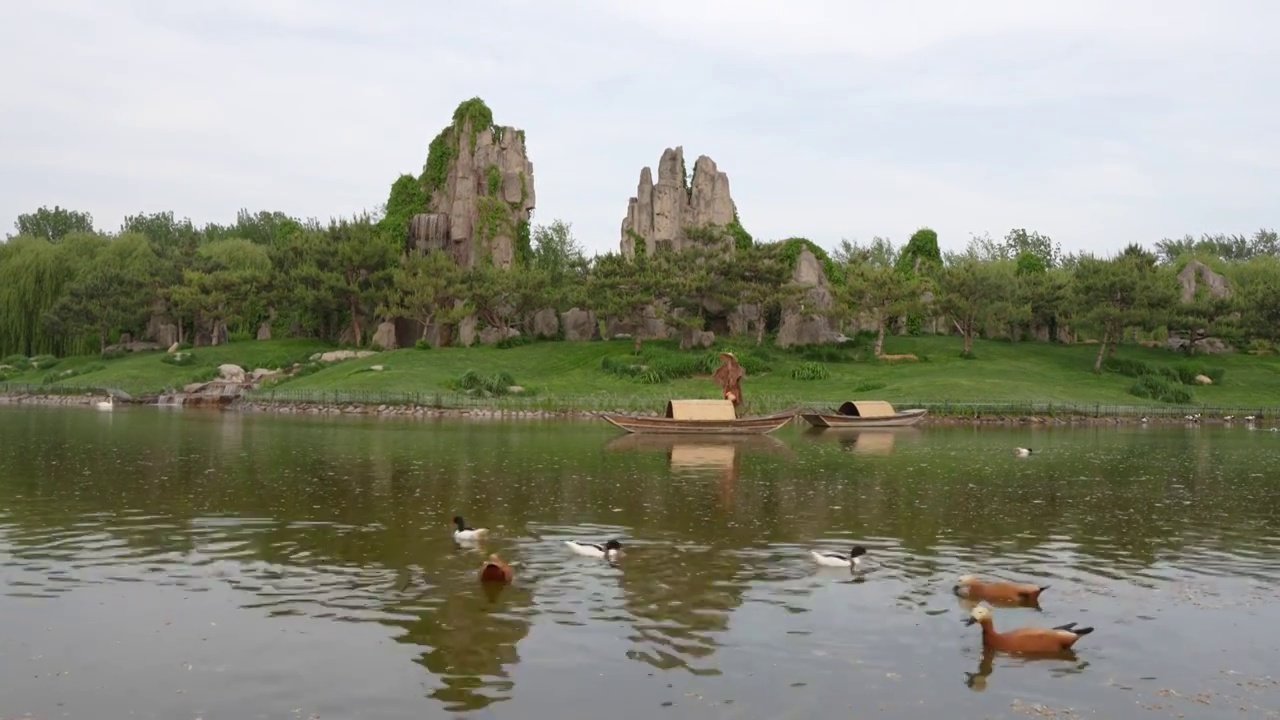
[[421, 411]]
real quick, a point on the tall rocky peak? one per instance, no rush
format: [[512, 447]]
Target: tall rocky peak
[[661, 214], [478, 186]]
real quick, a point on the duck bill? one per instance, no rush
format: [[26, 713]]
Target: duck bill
[[968, 621]]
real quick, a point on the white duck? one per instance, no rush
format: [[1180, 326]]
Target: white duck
[[830, 559], [107, 404], [1022, 452], [467, 533], [610, 551]]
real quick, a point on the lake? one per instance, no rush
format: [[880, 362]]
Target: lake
[[186, 564]]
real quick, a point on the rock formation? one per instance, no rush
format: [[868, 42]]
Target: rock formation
[[661, 213], [808, 321], [1196, 273], [478, 183]]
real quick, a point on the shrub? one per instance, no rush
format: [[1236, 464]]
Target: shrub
[[44, 362], [113, 354], [513, 341], [1128, 366], [868, 386], [422, 344], [810, 371], [17, 362], [54, 377], [473, 383], [1159, 389]]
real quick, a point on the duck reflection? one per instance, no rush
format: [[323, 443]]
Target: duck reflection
[[471, 635], [1064, 662]]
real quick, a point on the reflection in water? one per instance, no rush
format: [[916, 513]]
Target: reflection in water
[[877, 441], [281, 558], [1064, 662]]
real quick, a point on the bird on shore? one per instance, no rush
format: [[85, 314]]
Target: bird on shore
[[610, 551], [465, 532], [494, 570], [829, 559], [1022, 452], [1026, 640], [107, 404], [972, 588]]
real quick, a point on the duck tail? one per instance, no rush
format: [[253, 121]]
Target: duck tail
[[1042, 588], [1082, 631]]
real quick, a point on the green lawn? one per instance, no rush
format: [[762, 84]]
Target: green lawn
[[1000, 372]]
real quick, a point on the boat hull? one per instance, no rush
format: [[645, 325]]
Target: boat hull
[[758, 425], [904, 418]]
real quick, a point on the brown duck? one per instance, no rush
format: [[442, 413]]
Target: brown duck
[[970, 587], [494, 570], [1025, 640]]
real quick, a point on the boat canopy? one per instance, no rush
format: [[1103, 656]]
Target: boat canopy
[[867, 409], [701, 410]]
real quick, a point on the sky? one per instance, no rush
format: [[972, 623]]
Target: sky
[[1096, 123]]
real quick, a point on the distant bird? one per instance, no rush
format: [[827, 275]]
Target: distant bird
[[1228, 418], [972, 588], [1022, 452], [1143, 420], [467, 533], [1025, 640], [830, 559], [107, 404], [494, 570], [610, 551]]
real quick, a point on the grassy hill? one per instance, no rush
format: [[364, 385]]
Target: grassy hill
[[999, 372]]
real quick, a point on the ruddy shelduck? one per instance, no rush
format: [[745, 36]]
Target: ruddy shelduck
[[1025, 640], [970, 587], [494, 570]]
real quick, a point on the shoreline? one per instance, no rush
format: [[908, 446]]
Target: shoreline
[[1160, 415]]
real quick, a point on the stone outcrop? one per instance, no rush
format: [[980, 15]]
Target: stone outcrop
[[385, 336], [660, 213], [808, 321], [579, 325], [478, 182], [1196, 274]]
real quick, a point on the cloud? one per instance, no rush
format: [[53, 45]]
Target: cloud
[[1097, 123]]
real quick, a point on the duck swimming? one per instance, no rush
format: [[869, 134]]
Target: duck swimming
[[1025, 640], [610, 551], [495, 570], [970, 587], [467, 533], [1022, 452], [830, 559]]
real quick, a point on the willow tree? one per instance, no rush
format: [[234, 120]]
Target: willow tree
[[112, 295], [34, 273]]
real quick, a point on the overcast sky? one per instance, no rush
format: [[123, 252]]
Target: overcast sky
[[1098, 123]]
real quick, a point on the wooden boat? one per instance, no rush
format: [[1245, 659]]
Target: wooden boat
[[701, 417], [864, 414]]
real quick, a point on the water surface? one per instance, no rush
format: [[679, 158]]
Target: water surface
[[173, 564]]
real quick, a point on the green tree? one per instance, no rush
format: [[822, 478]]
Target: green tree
[[757, 282], [556, 252], [1122, 292], [973, 293], [626, 289], [1257, 284], [875, 289], [427, 289], [112, 295], [362, 264], [53, 224], [228, 286]]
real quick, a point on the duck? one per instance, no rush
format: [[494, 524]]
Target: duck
[[494, 570], [610, 551], [1228, 418], [1028, 639], [972, 588], [467, 533], [830, 559], [1022, 452], [107, 404]]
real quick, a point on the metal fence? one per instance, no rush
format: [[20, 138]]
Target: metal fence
[[756, 403]]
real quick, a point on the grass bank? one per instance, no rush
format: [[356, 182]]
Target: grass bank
[[1002, 377]]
